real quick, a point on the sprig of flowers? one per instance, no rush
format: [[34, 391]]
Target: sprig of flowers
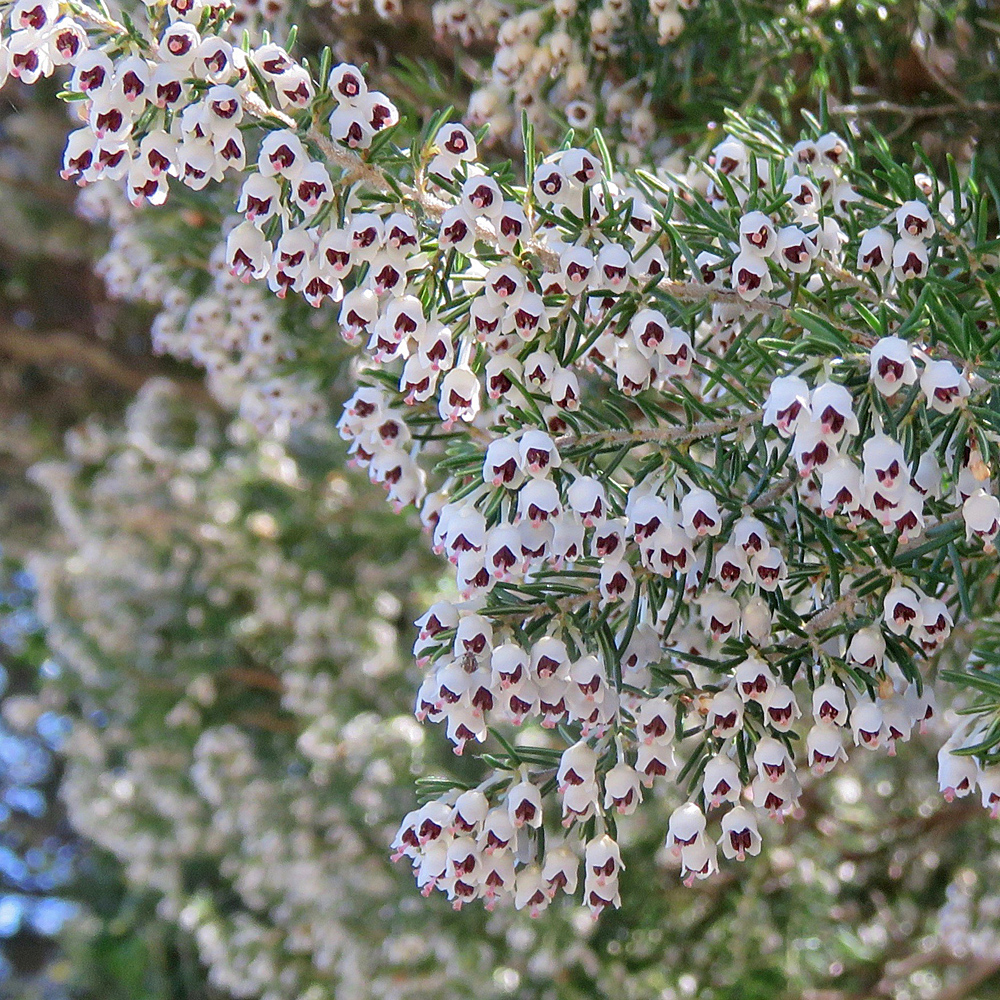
[[710, 453]]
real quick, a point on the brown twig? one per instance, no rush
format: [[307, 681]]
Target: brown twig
[[57, 347], [916, 111], [265, 680], [679, 434]]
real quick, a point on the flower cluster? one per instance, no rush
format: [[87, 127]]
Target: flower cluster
[[39, 40], [171, 109], [167, 770], [310, 257], [708, 454], [536, 515], [273, 772], [564, 54], [232, 330]]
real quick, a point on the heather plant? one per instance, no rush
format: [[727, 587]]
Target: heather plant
[[241, 744], [703, 412]]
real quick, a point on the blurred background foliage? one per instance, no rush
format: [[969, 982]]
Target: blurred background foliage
[[205, 666]]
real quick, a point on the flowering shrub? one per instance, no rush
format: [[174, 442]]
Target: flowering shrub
[[241, 743], [251, 782], [712, 449]]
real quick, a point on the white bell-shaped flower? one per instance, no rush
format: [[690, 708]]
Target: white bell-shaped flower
[[725, 716], [891, 365], [721, 781], [833, 406], [779, 798], [750, 276], [824, 747], [989, 788], [867, 724], [677, 353], [914, 221], [730, 567], [530, 891], [757, 235], [654, 721], [509, 663], [602, 864], [897, 721], [885, 461], [498, 831], [538, 453], [459, 399], [549, 658], [685, 826], [981, 513], [754, 680], [616, 582], [498, 878], [577, 767], [771, 759], [622, 789], [469, 811], [875, 252], [787, 402], [757, 620], [928, 477], [795, 250], [740, 835], [909, 260], [867, 647], [782, 709], [902, 610], [586, 496], [769, 569], [699, 860], [511, 225], [957, 774], [943, 385], [524, 804], [700, 514], [721, 614], [578, 266], [655, 760], [829, 704]]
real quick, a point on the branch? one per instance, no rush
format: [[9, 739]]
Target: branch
[[851, 280], [978, 973], [265, 680], [52, 348], [920, 46], [827, 617], [673, 434], [916, 110]]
